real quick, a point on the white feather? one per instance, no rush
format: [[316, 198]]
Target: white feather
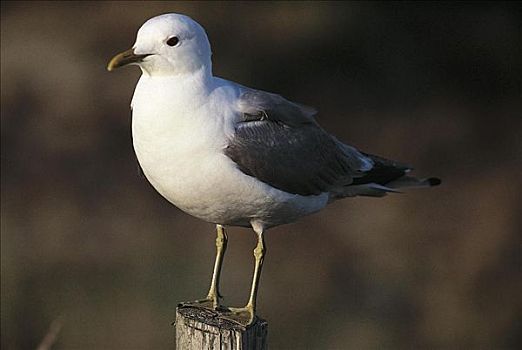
[[179, 133]]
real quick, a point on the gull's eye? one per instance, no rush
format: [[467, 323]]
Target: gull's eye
[[173, 41]]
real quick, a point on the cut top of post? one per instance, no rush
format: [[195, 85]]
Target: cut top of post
[[202, 328]]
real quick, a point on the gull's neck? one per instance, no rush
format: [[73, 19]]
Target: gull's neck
[[182, 71], [198, 77], [191, 87]]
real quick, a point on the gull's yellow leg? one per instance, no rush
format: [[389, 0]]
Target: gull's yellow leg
[[213, 295], [221, 247], [259, 254]]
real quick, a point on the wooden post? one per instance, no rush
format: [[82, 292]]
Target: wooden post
[[199, 328]]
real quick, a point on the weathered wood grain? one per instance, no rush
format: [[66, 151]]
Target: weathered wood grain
[[205, 329]]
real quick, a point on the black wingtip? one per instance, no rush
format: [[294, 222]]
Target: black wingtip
[[434, 181]]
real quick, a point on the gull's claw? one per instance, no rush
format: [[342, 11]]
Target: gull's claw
[[207, 303]]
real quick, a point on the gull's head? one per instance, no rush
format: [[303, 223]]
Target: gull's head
[[169, 44]]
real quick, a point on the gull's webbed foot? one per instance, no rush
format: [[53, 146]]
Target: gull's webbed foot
[[244, 316], [210, 302]]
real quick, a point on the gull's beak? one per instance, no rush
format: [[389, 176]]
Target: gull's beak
[[125, 58]]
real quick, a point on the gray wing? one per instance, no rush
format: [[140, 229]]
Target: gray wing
[[280, 143], [261, 105]]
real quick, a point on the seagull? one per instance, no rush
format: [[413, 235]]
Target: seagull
[[236, 156]]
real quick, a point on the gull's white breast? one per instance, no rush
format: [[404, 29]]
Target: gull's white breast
[[179, 131]]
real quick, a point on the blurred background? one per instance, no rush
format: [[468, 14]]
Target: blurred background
[[87, 243]]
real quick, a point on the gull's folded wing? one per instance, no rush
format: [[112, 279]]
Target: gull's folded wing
[[280, 143]]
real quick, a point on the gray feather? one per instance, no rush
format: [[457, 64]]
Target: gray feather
[[280, 143], [263, 104]]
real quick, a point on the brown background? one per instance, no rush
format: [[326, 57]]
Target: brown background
[[88, 242]]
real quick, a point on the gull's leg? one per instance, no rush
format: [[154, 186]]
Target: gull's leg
[[221, 247], [259, 255], [213, 295]]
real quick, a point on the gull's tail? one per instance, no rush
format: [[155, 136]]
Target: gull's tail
[[386, 176]]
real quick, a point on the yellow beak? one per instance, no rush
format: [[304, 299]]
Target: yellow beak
[[125, 58]]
